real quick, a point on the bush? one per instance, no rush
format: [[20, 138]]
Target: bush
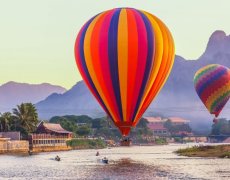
[[86, 143]]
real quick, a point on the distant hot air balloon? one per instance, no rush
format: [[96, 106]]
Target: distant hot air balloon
[[212, 84], [124, 56]]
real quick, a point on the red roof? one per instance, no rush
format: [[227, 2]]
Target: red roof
[[154, 119], [178, 120], [156, 126], [54, 127], [161, 120]]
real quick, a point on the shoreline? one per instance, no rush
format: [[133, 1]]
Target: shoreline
[[44, 150], [207, 151]]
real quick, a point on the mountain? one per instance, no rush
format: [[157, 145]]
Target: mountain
[[14, 93], [177, 98], [78, 100]]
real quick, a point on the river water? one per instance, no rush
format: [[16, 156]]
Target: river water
[[125, 163]]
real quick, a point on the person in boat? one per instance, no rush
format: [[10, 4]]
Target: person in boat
[[97, 154], [57, 158]]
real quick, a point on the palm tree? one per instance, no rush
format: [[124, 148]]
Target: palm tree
[[26, 118], [5, 121]]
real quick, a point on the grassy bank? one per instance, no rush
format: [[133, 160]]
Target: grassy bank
[[220, 151], [86, 143]]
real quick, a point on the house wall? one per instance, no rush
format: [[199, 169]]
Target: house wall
[[48, 142], [8, 146]]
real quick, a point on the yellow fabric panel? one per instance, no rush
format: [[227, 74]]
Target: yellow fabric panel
[[88, 59], [123, 59], [165, 67], [157, 59], [156, 83], [171, 54]]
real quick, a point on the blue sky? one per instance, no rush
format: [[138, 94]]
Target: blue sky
[[37, 37]]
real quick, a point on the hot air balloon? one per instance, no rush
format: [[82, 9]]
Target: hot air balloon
[[212, 84], [124, 55]]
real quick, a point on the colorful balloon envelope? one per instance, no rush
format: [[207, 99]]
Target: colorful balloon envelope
[[212, 84], [124, 56]]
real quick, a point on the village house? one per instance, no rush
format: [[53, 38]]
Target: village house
[[156, 124], [158, 129], [174, 120], [49, 137]]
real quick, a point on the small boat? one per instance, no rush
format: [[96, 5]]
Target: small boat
[[57, 158], [105, 160]]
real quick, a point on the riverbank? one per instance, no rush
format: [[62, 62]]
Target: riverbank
[[86, 144], [219, 151]]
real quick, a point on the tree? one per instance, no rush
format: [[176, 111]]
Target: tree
[[5, 121], [26, 118], [221, 127], [99, 123], [83, 131], [174, 128], [143, 123]]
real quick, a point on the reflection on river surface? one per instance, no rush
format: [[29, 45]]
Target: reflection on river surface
[[135, 162]]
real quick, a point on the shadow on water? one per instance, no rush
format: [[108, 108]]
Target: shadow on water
[[126, 168]]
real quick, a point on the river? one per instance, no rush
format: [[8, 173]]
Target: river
[[125, 163]]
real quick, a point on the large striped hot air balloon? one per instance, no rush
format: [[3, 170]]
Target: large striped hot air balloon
[[212, 84], [125, 56]]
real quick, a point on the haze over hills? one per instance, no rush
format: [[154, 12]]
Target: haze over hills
[[14, 93], [177, 98]]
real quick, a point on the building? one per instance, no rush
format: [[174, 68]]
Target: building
[[155, 120], [178, 120], [156, 124], [174, 120], [49, 137], [158, 129]]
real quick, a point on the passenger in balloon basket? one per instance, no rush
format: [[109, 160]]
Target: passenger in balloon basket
[[125, 141], [215, 120]]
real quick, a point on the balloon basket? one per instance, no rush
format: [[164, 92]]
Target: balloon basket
[[125, 142], [215, 120]]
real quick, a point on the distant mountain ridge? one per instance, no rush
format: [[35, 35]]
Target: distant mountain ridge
[[177, 98], [13, 93]]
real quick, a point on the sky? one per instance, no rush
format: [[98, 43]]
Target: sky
[[37, 37]]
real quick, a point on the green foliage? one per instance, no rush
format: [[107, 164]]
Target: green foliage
[[6, 122], [83, 131], [72, 118], [178, 139], [174, 128], [100, 127], [222, 151], [222, 127], [99, 123], [225, 155], [86, 143], [160, 141], [143, 123], [26, 118]]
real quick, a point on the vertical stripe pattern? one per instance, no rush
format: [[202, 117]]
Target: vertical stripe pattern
[[212, 84], [125, 56]]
